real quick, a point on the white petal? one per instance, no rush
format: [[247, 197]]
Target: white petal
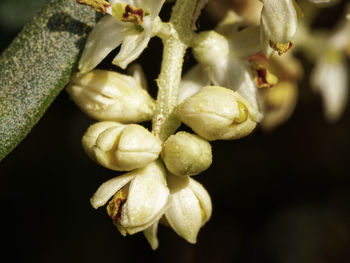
[[106, 36], [235, 74], [203, 197], [109, 188], [151, 235], [246, 42], [330, 78], [148, 194], [184, 211], [151, 6], [192, 82], [132, 47], [137, 73]]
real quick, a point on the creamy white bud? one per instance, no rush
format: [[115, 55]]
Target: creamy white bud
[[111, 96], [217, 113], [121, 147], [210, 48], [186, 154]]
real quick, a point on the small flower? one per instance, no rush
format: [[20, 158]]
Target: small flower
[[140, 198], [330, 79], [121, 147], [129, 23], [278, 25], [186, 154], [330, 75], [189, 208], [217, 113], [111, 96], [223, 58]]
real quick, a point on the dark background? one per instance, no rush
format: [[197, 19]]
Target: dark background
[[278, 197]]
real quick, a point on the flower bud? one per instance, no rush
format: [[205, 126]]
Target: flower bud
[[186, 154], [211, 48], [121, 147], [106, 95], [217, 113]]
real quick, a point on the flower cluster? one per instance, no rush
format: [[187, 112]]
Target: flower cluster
[[237, 84]]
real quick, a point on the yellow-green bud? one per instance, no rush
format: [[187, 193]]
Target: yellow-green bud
[[217, 113], [111, 96], [121, 147], [186, 154]]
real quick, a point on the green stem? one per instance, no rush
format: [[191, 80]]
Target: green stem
[[165, 122]]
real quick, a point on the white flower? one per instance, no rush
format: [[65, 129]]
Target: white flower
[[278, 25], [140, 198], [330, 79], [129, 23], [121, 147], [223, 60], [111, 96], [217, 113], [189, 208]]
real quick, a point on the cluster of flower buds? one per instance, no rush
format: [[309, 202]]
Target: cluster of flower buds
[[152, 191], [237, 83]]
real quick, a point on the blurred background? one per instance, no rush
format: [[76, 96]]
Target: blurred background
[[282, 196]]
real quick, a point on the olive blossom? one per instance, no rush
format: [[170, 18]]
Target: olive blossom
[[111, 96], [189, 208], [223, 60], [121, 147], [279, 23], [140, 198], [217, 113], [330, 74], [129, 23]]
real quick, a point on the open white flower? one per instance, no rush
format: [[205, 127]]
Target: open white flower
[[223, 60], [189, 208], [140, 198], [129, 23]]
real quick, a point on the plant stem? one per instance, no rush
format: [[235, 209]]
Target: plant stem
[[175, 44]]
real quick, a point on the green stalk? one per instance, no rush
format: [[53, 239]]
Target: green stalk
[[175, 44]]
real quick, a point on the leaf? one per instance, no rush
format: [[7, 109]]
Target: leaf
[[37, 65]]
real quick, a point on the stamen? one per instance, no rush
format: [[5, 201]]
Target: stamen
[[114, 207], [281, 48], [128, 13], [263, 78], [97, 5]]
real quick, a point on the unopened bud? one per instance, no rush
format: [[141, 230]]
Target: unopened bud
[[111, 96], [186, 154], [217, 113], [121, 147], [211, 48]]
